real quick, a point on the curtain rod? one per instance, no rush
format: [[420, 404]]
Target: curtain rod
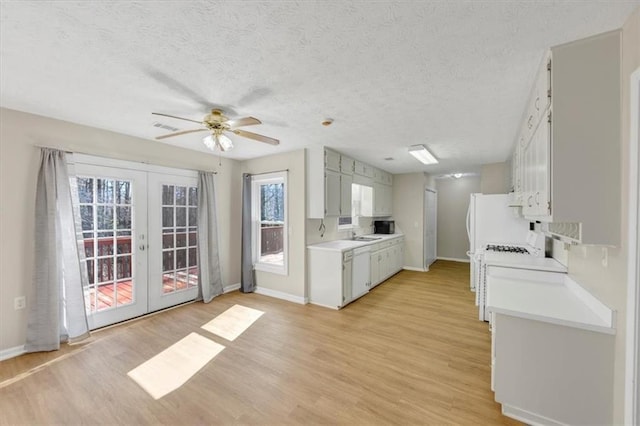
[[266, 173], [111, 158]]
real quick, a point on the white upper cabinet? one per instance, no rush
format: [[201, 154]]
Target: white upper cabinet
[[345, 194], [347, 165], [332, 194], [329, 179], [331, 160], [569, 147]]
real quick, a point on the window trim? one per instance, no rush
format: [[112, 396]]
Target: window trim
[[256, 182]]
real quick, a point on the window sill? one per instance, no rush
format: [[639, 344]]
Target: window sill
[[273, 269]]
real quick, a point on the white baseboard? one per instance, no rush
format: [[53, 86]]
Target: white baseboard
[[281, 295], [12, 352], [527, 417], [411, 268], [454, 259], [229, 288]]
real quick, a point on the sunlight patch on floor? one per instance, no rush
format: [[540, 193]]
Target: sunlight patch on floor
[[172, 367], [233, 322]]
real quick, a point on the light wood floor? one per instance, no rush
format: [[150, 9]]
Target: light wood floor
[[410, 352]]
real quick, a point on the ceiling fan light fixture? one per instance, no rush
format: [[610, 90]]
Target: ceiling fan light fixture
[[209, 142], [422, 154], [224, 142], [213, 140]]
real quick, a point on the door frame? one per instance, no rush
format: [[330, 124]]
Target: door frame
[[632, 358], [147, 169], [425, 267]]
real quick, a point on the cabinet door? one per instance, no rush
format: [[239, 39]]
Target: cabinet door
[[331, 160], [347, 272], [388, 200], [541, 195], [374, 267], [331, 193], [345, 195], [384, 264], [377, 199], [528, 171], [346, 165]]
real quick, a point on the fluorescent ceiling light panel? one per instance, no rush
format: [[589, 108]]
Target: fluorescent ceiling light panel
[[422, 154]]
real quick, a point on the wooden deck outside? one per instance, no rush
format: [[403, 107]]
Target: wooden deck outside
[[106, 296]]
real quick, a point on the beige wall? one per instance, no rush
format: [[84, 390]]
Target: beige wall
[[408, 212], [494, 178], [453, 202], [19, 162], [292, 284], [585, 265]]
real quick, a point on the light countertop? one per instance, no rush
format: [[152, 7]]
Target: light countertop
[[523, 262], [343, 245], [557, 300]]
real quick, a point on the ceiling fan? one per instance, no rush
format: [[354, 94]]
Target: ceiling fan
[[217, 124]]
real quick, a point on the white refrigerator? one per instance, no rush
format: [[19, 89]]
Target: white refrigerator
[[490, 220]]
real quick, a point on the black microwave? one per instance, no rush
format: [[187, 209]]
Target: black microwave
[[384, 226]]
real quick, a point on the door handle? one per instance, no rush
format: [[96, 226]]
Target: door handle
[[141, 247]]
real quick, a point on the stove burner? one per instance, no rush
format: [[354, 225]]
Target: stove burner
[[507, 249]]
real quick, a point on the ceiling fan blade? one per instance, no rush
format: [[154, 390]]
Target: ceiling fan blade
[[256, 137], [173, 116], [184, 132], [246, 121]]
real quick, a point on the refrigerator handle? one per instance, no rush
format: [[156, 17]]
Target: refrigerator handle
[[469, 226]]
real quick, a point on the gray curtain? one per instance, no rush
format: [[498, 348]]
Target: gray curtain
[[208, 254], [56, 306], [247, 279]]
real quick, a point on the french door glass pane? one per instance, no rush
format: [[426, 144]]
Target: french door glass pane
[[179, 258], [108, 253]]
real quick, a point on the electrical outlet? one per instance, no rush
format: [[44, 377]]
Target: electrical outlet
[[19, 303]]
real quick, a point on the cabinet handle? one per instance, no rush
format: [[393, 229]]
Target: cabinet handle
[[529, 200], [529, 121], [537, 198], [536, 104]]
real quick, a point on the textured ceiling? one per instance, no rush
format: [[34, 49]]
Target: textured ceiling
[[453, 75]]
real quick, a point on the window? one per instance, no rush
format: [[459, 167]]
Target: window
[[269, 214], [345, 222]]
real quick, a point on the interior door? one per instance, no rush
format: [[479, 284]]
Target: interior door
[[430, 227], [113, 211], [173, 267]]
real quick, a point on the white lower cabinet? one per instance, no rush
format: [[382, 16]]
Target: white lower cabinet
[[330, 277], [337, 277], [361, 273], [551, 374], [387, 259], [552, 348], [347, 277]]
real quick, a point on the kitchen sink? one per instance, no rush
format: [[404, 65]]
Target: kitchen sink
[[367, 238]]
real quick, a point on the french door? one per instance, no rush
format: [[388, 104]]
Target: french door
[[139, 227]]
